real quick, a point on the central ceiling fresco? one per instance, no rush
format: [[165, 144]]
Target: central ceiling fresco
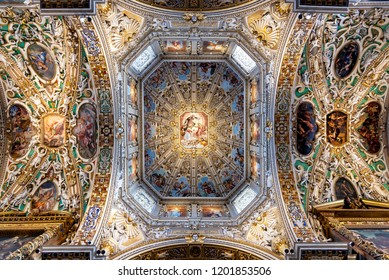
[[194, 129]]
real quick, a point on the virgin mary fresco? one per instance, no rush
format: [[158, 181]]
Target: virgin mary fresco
[[194, 130]]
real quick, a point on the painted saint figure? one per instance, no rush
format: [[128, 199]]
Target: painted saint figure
[[44, 198], [41, 61], [181, 188], [343, 189], [22, 130], [194, 130], [206, 188], [86, 130], [306, 128], [337, 128], [346, 60], [54, 130], [369, 128]]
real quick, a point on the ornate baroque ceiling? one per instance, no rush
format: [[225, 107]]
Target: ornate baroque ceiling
[[194, 129], [51, 113], [56, 99], [339, 110], [149, 128]]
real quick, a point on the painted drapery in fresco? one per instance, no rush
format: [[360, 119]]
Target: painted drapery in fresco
[[21, 130], [86, 130]]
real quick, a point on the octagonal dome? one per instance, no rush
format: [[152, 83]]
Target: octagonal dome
[[193, 127]]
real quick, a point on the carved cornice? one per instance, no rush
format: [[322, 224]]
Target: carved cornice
[[359, 244], [338, 223], [48, 225], [166, 13], [69, 7], [27, 249], [15, 221]]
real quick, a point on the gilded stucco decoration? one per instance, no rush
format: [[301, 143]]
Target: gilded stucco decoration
[[267, 231], [45, 66], [194, 129], [266, 30], [280, 9], [55, 115], [3, 143], [194, 124], [297, 219], [120, 233], [263, 229], [104, 128], [120, 25], [175, 108], [343, 73], [267, 25], [194, 17]]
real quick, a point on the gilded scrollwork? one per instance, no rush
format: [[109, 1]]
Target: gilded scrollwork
[[266, 25], [52, 75], [197, 124], [346, 92], [121, 26]]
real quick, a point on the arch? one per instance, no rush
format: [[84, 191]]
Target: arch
[[221, 249]]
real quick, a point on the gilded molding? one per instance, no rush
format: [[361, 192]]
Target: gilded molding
[[101, 189], [289, 193]]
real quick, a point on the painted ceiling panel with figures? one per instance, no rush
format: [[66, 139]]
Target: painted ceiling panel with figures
[[51, 116], [191, 121], [194, 129], [339, 110]]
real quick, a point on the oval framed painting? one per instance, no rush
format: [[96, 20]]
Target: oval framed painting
[[41, 61], [369, 128], [22, 130], [346, 59], [86, 130], [306, 128]]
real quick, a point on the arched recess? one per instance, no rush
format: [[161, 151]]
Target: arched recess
[[210, 249]]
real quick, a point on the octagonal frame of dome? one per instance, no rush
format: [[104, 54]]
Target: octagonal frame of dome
[[226, 58], [156, 50], [147, 76]]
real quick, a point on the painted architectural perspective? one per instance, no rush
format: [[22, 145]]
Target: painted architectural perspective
[[142, 129]]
